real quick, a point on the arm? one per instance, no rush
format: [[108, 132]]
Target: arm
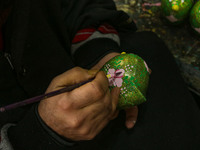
[[31, 124], [93, 26]]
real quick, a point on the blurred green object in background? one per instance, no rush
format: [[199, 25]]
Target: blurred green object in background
[[195, 17], [176, 11]]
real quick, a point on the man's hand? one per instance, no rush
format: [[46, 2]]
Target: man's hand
[[131, 113], [82, 113]]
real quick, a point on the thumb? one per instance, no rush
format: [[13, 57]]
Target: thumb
[[131, 116]]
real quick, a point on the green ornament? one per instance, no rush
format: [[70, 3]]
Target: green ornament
[[130, 73], [175, 11], [195, 17]]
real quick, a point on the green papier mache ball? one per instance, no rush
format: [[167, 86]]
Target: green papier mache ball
[[195, 17], [130, 73], [175, 11]]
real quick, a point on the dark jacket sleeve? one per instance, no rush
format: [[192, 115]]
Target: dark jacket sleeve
[[22, 128], [35, 134], [91, 14]]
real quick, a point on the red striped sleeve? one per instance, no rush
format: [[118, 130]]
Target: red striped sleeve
[[106, 29], [84, 34]]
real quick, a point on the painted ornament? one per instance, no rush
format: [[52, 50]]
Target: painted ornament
[[195, 17], [175, 11], [130, 73]]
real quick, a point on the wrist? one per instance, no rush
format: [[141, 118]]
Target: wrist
[[105, 59]]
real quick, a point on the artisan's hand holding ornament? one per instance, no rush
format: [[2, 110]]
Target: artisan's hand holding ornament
[[131, 74]]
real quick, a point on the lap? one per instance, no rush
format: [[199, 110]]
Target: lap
[[169, 119]]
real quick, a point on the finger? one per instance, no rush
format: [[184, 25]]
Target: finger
[[115, 97], [131, 116], [73, 76], [115, 115], [98, 115], [100, 82], [91, 92]]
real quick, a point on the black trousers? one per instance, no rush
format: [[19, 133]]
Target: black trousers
[[169, 119]]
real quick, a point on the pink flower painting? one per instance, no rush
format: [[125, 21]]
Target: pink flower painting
[[116, 77]]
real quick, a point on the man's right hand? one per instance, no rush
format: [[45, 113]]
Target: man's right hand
[[82, 113]]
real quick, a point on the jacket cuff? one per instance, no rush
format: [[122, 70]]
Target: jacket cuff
[[95, 49], [4, 141], [30, 133]]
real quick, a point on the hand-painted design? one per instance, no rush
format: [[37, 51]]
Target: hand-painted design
[[116, 79], [133, 83], [147, 67], [128, 68]]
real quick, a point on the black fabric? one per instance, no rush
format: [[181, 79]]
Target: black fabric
[[81, 14], [38, 50], [34, 136], [10, 92], [170, 118], [91, 52], [39, 35], [38, 40]]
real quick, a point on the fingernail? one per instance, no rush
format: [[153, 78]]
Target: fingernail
[[134, 122], [130, 124], [92, 72]]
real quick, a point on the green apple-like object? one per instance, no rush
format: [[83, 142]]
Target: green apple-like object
[[175, 11], [130, 73], [195, 17]]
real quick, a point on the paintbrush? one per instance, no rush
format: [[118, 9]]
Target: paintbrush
[[47, 95]]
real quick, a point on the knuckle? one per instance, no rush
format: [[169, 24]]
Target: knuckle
[[109, 108], [55, 80], [84, 132], [90, 136], [64, 105], [74, 122], [77, 69]]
